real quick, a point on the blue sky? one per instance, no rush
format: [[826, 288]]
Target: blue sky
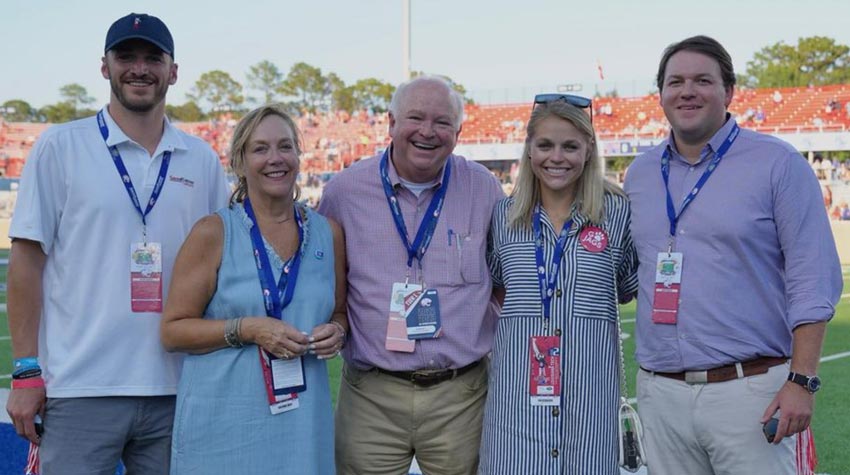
[[501, 50]]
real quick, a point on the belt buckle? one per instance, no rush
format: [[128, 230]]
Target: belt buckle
[[696, 377], [422, 379], [425, 380]]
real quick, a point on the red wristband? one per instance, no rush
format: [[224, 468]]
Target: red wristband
[[28, 383]]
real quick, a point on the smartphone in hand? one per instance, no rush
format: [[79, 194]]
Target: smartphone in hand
[[769, 429]]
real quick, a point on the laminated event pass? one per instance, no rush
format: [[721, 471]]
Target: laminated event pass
[[284, 380], [146, 277], [668, 282], [397, 324], [422, 314], [544, 355]]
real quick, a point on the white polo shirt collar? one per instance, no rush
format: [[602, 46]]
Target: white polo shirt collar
[[171, 139]]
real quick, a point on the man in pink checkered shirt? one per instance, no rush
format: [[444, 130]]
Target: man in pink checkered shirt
[[416, 219]]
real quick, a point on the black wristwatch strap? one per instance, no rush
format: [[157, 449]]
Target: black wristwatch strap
[[811, 383]]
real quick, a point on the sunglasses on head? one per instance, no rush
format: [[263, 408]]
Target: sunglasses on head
[[577, 101]]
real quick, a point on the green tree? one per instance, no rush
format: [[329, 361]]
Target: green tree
[[217, 90], [342, 96], [371, 93], [17, 110], [76, 95], [815, 61], [308, 85], [188, 112], [58, 113], [266, 78]]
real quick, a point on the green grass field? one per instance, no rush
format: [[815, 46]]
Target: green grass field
[[832, 418]]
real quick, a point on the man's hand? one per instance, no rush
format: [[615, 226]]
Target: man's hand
[[22, 406], [796, 405]]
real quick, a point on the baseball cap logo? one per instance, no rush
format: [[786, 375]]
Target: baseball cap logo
[[137, 23]]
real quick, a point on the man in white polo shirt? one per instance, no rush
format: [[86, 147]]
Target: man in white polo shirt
[[104, 205]]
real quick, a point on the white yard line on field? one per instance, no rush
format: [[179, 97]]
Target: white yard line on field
[[836, 356]]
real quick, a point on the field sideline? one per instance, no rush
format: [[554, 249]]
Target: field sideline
[[831, 422]]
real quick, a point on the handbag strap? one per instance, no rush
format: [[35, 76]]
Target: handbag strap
[[624, 388]]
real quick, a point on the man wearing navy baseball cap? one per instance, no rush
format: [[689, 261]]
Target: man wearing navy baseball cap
[[132, 37], [104, 205]]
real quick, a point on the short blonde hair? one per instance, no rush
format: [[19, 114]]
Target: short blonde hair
[[591, 185], [242, 134]]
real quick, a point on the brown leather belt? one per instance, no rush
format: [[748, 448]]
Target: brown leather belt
[[726, 373], [426, 378]]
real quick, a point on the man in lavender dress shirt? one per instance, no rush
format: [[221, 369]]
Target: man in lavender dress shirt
[[399, 396], [739, 273]]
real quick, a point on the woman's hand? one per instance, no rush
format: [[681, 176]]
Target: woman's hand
[[275, 336], [327, 340]]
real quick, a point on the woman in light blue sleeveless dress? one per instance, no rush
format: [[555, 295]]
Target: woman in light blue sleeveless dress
[[224, 424]]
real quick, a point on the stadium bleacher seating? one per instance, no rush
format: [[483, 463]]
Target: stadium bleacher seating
[[333, 140]]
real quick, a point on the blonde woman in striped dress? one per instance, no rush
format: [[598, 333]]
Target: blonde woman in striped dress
[[561, 255]]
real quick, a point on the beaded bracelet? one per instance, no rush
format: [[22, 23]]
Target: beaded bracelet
[[232, 332]]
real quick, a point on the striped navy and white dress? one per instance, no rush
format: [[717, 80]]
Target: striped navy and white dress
[[579, 436]]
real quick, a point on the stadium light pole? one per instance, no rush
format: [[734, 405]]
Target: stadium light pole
[[405, 39]]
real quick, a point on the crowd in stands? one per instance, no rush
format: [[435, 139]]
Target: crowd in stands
[[840, 212], [16, 140], [333, 140], [834, 176], [829, 170]]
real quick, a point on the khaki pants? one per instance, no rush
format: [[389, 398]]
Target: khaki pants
[[712, 429], [382, 421]]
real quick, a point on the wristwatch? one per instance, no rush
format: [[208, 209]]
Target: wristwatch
[[811, 383]]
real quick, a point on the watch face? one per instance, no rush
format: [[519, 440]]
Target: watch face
[[814, 384]]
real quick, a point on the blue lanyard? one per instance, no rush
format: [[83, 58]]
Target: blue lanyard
[[125, 177], [547, 284], [429, 221], [665, 174], [288, 276]]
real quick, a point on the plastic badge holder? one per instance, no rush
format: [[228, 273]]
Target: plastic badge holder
[[631, 438]]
